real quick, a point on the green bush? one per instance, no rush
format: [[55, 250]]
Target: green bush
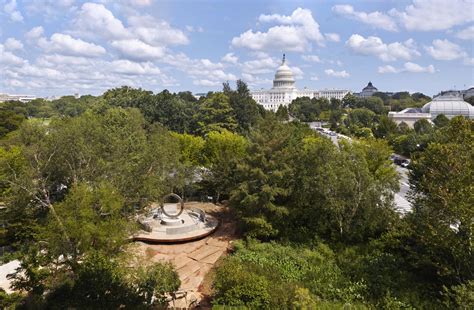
[[270, 275]]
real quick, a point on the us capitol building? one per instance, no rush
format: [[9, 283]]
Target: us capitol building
[[284, 90]]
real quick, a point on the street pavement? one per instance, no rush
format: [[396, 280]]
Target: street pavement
[[401, 202]]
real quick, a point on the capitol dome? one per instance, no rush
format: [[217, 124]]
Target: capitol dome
[[284, 76], [449, 105]]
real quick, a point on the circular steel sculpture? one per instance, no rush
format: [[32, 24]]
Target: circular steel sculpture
[[180, 201]]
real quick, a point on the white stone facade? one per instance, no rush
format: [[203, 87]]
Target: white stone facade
[[284, 90]]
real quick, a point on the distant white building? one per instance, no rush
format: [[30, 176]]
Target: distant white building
[[284, 90], [22, 98], [450, 104]]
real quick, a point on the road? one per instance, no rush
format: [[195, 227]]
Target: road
[[401, 202]]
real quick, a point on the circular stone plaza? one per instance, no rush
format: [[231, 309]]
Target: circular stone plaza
[[171, 222]]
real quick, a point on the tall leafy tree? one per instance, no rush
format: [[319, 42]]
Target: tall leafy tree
[[442, 192], [216, 113], [245, 108]]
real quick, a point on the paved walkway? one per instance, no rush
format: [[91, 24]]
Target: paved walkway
[[192, 260], [6, 269]]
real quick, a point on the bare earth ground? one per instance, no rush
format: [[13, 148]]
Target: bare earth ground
[[193, 260]]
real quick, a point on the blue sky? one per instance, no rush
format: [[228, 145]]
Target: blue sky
[[59, 47]]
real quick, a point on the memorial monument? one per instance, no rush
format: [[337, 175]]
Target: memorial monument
[[171, 222]]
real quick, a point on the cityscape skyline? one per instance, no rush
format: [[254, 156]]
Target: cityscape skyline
[[65, 47]]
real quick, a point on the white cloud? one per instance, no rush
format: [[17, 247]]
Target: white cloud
[[387, 69], [311, 58], [10, 8], [376, 47], [230, 58], [375, 19], [9, 59], [141, 2], [469, 61], [35, 33], [297, 72], [54, 60], [66, 45], [137, 50], [407, 67], [200, 69], [95, 19], [12, 44], [415, 68], [445, 50], [207, 83], [466, 34], [155, 32], [333, 37], [260, 66], [432, 15], [255, 81], [134, 68], [295, 32], [337, 74], [314, 78]]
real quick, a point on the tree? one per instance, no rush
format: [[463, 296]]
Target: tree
[[191, 159], [385, 127], [245, 108], [10, 117], [443, 217], [223, 151], [94, 219], [262, 179], [341, 194], [441, 121], [215, 114], [423, 126], [305, 109], [282, 113]]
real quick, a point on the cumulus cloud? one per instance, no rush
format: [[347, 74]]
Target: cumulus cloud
[[138, 50], [338, 74], [415, 68], [255, 81], [296, 32], [35, 33], [469, 61], [386, 52], [141, 2], [230, 58], [311, 58], [10, 8], [375, 19], [445, 50], [407, 67], [95, 19], [333, 37], [200, 69], [67, 45], [8, 58], [432, 15], [205, 82], [260, 65], [466, 34], [13, 44], [134, 68], [314, 78], [156, 32]]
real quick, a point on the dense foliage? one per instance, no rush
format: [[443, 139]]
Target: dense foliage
[[318, 218]]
